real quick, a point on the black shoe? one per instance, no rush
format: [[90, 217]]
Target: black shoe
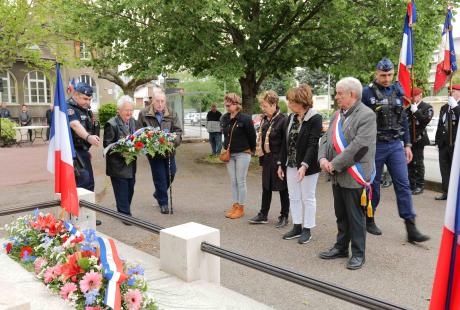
[[293, 233], [282, 221], [371, 227], [305, 236], [164, 209], [386, 184], [355, 262], [258, 219], [98, 223], [417, 191], [413, 235], [333, 253], [441, 197]]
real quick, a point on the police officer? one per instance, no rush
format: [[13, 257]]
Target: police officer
[[445, 136], [385, 98], [84, 129], [419, 115]]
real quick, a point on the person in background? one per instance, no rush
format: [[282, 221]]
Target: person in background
[[356, 143], [419, 115], [159, 115], [25, 119], [214, 130], [299, 161], [269, 143], [242, 144], [49, 119], [123, 176], [445, 136], [4, 112]]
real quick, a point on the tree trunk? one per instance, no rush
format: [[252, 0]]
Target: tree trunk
[[249, 89]]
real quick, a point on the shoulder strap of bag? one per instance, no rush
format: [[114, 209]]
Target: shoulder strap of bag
[[231, 133]]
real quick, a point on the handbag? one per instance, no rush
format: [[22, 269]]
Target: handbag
[[225, 153]]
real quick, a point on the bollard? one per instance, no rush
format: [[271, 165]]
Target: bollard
[[181, 255]]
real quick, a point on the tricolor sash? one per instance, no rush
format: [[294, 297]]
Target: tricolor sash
[[113, 272], [74, 233], [356, 171]]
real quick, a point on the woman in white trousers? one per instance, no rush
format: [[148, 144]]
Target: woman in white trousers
[[299, 161]]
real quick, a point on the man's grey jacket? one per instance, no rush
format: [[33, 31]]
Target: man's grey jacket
[[360, 130]]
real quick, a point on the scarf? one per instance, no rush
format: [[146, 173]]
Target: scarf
[[266, 147]]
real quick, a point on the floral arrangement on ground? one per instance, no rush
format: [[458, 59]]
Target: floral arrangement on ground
[[69, 263], [147, 141]]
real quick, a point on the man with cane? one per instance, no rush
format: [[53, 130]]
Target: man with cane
[[445, 136], [159, 115]]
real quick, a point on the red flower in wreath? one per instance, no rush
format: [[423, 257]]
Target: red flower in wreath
[[149, 134], [139, 145], [162, 140], [8, 248], [25, 249], [131, 137]]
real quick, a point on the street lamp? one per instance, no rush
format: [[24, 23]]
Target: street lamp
[[164, 75]]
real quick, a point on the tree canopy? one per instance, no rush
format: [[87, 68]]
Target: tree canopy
[[245, 40]]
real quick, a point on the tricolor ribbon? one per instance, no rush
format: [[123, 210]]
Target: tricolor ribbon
[[74, 233], [356, 171], [113, 272]]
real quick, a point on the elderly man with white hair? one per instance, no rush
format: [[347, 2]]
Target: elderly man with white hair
[[347, 153], [158, 114], [123, 176]]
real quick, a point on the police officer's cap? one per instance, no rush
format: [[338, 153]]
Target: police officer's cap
[[84, 89], [385, 65], [456, 87]]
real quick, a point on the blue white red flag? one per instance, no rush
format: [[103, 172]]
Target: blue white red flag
[[446, 287], [406, 56], [447, 59], [71, 86], [61, 151], [113, 272]]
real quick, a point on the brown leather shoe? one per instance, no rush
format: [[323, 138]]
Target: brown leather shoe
[[232, 210], [238, 213]]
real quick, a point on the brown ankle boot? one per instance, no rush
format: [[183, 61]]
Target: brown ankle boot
[[238, 213], [232, 210]]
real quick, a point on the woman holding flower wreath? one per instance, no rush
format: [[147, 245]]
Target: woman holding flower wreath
[[123, 176], [240, 141], [159, 115]]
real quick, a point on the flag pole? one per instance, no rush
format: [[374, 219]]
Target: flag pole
[[411, 38]]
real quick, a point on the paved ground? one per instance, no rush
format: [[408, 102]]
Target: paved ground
[[395, 270]]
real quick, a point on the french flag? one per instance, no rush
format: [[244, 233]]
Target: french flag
[[446, 287], [406, 56], [448, 60], [71, 86], [61, 151]]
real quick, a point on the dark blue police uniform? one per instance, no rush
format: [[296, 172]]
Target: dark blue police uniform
[[392, 128], [82, 163]]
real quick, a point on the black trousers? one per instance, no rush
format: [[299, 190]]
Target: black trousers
[[416, 168], [351, 219], [446, 154], [124, 191], [267, 199]]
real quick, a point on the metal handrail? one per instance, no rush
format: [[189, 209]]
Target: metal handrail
[[300, 279], [315, 284]]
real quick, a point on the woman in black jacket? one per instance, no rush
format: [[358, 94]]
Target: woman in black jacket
[[269, 143], [299, 158], [123, 176], [240, 137]]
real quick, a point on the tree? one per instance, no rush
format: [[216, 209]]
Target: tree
[[279, 84], [252, 40], [25, 33], [119, 37], [316, 78]]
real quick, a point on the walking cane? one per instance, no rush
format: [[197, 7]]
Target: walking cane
[[171, 211]]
